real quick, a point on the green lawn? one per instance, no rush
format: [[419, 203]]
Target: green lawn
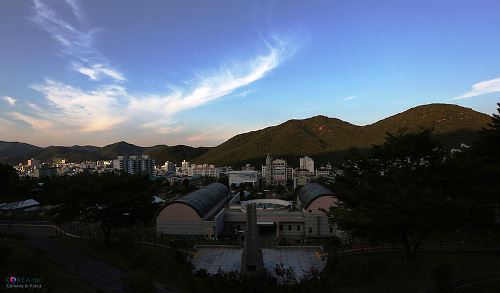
[[20, 260]]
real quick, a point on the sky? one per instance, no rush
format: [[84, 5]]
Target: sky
[[198, 72]]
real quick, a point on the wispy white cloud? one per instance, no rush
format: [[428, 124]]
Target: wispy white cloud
[[93, 110], [216, 85], [76, 42], [110, 106], [97, 71], [482, 88], [349, 98], [10, 100], [34, 122], [76, 8]]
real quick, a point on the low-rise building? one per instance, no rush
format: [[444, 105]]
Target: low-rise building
[[239, 177], [204, 170], [301, 177], [212, 212]]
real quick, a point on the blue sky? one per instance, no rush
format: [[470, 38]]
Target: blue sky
[[199, 72]]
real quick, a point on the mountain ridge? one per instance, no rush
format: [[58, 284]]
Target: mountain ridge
[[320, 136], [329, 138]]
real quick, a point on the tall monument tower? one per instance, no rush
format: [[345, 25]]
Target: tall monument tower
[[252, 255]]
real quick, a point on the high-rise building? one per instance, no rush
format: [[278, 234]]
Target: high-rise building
[[135, 164], [279, 172], [268, 172], [169, 167], [185, 166], [33, 163], [307, 163]]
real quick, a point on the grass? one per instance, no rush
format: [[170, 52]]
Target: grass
[[390, 273], [20, 260], [147, 264], [491, 286], [367, 273]]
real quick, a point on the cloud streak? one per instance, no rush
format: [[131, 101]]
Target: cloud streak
[[211, 87], [9, 100], [481, 88], [95, 110], [111, 105], [76, 42]]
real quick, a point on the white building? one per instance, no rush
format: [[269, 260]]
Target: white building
[[169, 167], [204, 170], [185, 166], [307, 163], [238, 177], [275, 171]]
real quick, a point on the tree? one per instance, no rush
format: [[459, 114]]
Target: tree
[[472, 177], [110, 200], [8, 179], [391, 194]]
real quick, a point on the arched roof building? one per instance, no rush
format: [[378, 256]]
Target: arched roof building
[[310, 192], [315, 197], [206, 199], [197, 213]]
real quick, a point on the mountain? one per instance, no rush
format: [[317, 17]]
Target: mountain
[[15, 152], [327, 139], [324, 138]]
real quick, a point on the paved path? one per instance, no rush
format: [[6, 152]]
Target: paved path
[[98, 274]]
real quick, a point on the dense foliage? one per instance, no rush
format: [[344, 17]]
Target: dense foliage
[[110, 200], [327, 139], [408, 189]]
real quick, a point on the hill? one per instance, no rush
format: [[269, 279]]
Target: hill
[[15, 152], [327, 139]]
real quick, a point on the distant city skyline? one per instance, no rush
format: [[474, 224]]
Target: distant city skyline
[[199, 72]]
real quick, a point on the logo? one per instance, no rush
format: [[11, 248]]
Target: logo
[[12, 282]]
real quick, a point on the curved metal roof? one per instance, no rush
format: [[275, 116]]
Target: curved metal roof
[[310, 192], [205, 199]]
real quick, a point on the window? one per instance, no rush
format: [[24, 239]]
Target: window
[[310, 230], [331, 229], [298, 227], [310, 211], [289, 227], [281, 227]]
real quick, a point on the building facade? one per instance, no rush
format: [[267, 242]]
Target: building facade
[[213, 212], [307, 163], [135, 165], [239, 177]]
